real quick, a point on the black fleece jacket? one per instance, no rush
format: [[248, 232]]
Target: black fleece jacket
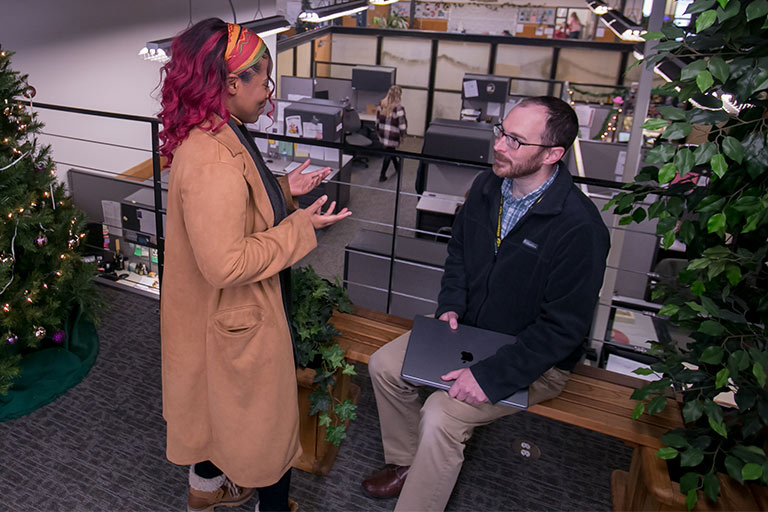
[[541, 286]]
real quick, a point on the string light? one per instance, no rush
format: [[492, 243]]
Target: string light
[[6, 308]]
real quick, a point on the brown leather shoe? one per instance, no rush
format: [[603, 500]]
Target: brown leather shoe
[[386, 482]]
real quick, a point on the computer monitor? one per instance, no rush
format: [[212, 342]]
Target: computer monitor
[[373, 78], [461, 140], [487, 88], [323, 95], [314, 111]]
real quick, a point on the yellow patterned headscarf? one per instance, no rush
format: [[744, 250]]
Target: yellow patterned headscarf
[[244, 48]]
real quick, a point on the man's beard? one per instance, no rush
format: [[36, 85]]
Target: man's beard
[[510, 169]]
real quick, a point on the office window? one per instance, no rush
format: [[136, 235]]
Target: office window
[[588, 66], [447, 105], [303, 60], [523, 61], [353, 49], [455, 59], [411, 58]]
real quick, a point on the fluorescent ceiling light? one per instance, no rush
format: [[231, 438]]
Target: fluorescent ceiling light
[[330, 12], [383, 2], [160, 50], [623, 27], [598, 7]]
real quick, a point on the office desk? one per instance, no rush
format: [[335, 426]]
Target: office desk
[[367, 117], [435, 211], [333, 185]]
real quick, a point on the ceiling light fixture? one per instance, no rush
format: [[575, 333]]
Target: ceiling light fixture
[[160, 50], [330, 12], [383, 2]]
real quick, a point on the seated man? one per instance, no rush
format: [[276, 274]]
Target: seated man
[[527, 258]]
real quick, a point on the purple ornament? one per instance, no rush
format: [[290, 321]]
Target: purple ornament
[[41, 240], [59, 336], [12, 339]]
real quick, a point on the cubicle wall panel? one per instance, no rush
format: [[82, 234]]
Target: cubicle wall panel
[[411, 58], [524, 61], [455, 59], [588, 66], [284, 67], [304, 60], [353, 50], [446, 105], [415, 104]]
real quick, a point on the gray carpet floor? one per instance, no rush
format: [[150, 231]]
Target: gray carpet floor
[[100, 447]]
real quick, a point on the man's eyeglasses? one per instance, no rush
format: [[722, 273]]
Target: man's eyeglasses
[[512, 141]]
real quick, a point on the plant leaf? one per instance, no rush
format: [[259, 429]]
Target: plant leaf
[[653, 36], [704, 152], [722, 378], [718, 427], [718, 165], [658, 404], [699, 6], [757, 9], [716, 223], [713, 354], [674, 440], [691, 457], [704, 79], [638, 410], [654, 124], [759, 372], [690, 71], [666, 453], [692, 411], [733, 466], [672, 113], [711, 486], [688, 482], [677, 130], [684, 160], [719, 68], [705, 20], [751, 471], [667, 173], [733, 148]]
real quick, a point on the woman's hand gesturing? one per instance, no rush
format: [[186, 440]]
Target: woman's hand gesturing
[[301, 184], [320, 219]]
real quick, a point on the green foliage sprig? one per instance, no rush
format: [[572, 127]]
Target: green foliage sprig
[[313, 300], [714, 198]]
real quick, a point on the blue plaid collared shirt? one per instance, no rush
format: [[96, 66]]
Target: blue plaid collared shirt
[[515, 207]]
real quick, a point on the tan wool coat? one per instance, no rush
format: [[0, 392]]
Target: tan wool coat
[[229, 380]]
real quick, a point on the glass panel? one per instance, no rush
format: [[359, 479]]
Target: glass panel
[[341, 72], [303, 57], [455, 59], [415, 104], [523, 61], [410, 57], [588, 66], [447, 105], [283, 67], [353, 49]]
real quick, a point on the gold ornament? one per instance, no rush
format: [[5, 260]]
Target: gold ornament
[[39, 332], [29, 92]]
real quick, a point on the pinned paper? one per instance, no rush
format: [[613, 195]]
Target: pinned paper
[[493, 109], [539, 31], [600, 32], [316, 152], [313, 130], [302, 150], [293, 126], [520, 28], [330, 155], [470, 89]]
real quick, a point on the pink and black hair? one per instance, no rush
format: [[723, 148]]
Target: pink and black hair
[[195, 82]]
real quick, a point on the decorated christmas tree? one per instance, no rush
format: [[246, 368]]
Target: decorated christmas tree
[[45, 287]]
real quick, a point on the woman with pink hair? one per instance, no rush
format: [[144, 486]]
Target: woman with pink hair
[[232, 232]]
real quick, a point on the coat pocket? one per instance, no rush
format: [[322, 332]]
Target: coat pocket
[[239, 322]]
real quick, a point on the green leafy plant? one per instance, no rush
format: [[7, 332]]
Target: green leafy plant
[[714, 198], [313, 300]]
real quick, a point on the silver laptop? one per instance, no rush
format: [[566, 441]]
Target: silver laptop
[[434, 349]]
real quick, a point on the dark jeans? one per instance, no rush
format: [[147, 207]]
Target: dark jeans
[[273, 498], [396, 161]]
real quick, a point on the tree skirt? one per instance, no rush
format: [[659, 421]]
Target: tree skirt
[[48, 373]]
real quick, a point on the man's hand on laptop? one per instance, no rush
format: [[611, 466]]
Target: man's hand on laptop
[[465, 387], [452, 318]]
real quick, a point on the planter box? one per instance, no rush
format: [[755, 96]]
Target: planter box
[[319, 455], [647, 486]]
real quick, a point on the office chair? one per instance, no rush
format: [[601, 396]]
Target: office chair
[[352, 132]]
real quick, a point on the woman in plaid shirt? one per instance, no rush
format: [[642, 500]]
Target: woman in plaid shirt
[[390, 127]]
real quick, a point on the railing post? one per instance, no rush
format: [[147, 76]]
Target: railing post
[[159, 209]]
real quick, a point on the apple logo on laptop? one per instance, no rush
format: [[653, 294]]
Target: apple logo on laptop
[[466, 357]]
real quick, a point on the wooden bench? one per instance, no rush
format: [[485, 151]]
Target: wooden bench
[[593, 398]]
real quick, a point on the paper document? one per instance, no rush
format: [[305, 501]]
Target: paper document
[[316, 152], [310, 168], [293, 126], [111, 212], [330, 155], [493, 109], [470, 89], [627, 366]]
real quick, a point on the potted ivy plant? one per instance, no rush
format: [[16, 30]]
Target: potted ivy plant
[[326, 396], [714, 198]]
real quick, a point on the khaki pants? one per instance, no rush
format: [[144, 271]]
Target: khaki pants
[[431, 438]]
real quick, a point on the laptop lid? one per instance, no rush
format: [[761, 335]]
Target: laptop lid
[[434, 349]]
